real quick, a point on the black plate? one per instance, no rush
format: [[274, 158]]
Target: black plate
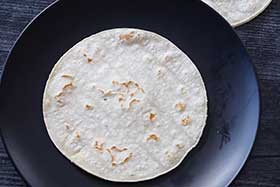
[[200, 32]]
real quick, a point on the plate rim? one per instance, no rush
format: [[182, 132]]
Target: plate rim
[[1, 79]]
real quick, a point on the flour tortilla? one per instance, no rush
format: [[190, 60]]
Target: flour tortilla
[[125, 105], [238, 12]]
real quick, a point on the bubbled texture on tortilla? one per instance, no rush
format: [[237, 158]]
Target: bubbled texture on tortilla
[[83, 117]]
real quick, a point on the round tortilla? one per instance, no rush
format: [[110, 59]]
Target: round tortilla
[[238, 12], [125, 105]]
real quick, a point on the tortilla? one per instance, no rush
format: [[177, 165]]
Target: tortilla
[[125, 105], [238, 12]]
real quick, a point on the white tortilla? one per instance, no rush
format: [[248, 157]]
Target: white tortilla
[[88, 108], [238, 12]]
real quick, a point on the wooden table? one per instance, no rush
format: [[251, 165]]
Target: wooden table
[[262, 39]]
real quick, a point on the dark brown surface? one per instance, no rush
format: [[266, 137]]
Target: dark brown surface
[[262, 39]]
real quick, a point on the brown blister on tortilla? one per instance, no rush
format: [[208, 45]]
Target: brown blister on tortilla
[[126, 84], [127, 37], [88, 107], [186, 121], [179, 146], [142, 90], [121, 99], [78, 136], [68, 86], [152, 117], [67, 126], [139, 88], [132, 94], [58, 99], [89, 60], [133, 101], [115, 148], [65, 88], [180, 107], [120, 94], [60, 103], [136, 84], [108, 93], [114, 164], [113, 161], [67, 76], [126, 159], [153, 137], [99, 146]]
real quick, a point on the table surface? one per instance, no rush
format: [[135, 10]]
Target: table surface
[[262, 39]]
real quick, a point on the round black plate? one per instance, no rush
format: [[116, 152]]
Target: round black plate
[[210, 42]]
